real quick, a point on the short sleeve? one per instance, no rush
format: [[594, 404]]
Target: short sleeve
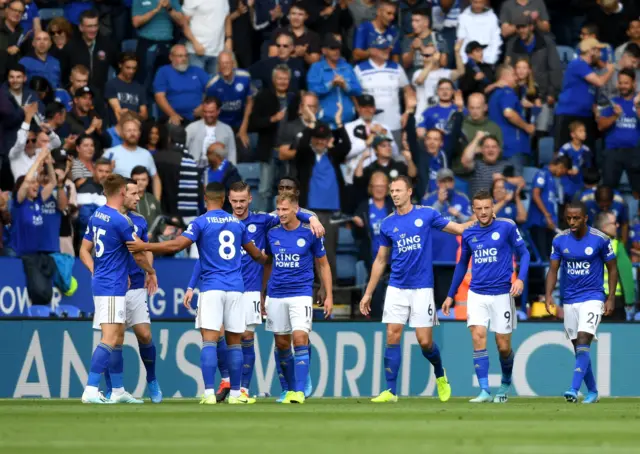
[[539, 181], [543, 14], [406, 44], [203, 77], [151, 165], [436, 219], [403, 81], [110, 91], [384, 238], [556, 249], [583, 69], [160, 83], [244, 234], [136, 8], [87, 233], [126, 229], [607, 111], [144, 232], [606, 251], [360, 38], [142, 96], [396, 45], [193, 231], [317, 247], [508, 100], [267, 246]]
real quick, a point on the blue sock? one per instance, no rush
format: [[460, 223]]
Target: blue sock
[[248, 362], [99, 364], [481, 365], [148, 356], [107, 382], [234, 361], [590, 380], [286, 363], [582, 363], [392, 366], [283, 379], [208, 364], [222, 358], [301, 367], [506, 364], [433, 356], [116, 366]]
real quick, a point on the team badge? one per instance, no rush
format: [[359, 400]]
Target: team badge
[[495, 236], [252, 228], [588, 250], [418, 223], [301, 242], [393, 174], [239, 87]]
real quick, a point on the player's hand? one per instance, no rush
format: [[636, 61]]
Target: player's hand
[[316, 227], [357, 220], [136, 246], [151, 284], [446, 306], [188, 296], [549, 303], [263, 306], [617, 110], [365, 304], [609, 306], [516, 288], [328, 306]]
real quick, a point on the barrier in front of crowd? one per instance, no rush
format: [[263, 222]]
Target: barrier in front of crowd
[[49, 358]]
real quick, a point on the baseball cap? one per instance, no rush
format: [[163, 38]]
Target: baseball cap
[[473, 45], [444, 174], [331, 42], [177, 136], [380, 42], [321, 131], [366, 101], [590, 43], [86, 90], [379, 139]]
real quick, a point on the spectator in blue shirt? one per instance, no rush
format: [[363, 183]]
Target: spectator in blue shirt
[[382, 25], [591, 31], [436, 158], [580, 156], [220, 169], [262, 70], [543, 211], [334, 81], [123, 94], [74, 8], [507, 200], [179, 88], [31, 18], [603, 199], [619, 121], [440, 116]]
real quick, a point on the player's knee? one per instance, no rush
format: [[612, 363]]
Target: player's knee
[[247, 336], [144, 337], [584, 338], [393, 334], [479, 338], [300, 339], [283, 342]]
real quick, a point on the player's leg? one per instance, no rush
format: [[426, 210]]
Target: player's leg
[[235, 326], [589, 317], [225, 384], [301, 319], [97, 327], [589, 378], [101, 354], [251, 303], [478, 317], [502, 323], [208, 321], [279, 324]]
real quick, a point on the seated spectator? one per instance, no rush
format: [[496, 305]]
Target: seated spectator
[[479, 23], [633, 32], [62, 167], [604, 199], [78, 78], [629, 60], [123, 93], [61, 32], [514, 12], [413, 44], [434, 160], [384, 162], [477, 120], [5, 220], [29, 144], [83, 119], [148, 206], [83, 163], [208, 31], [12, 36], [478, 75], [153, 137], [306, 42], [507, 201], [40, 62], [220, 169], [543, 211], [590, 31], [580, 156], [440, 115], [115, 132], [30, 22], [334, 80], [90, 196], [262, 71], [380, 28], [19, 96], [179, 87], [208, 130]]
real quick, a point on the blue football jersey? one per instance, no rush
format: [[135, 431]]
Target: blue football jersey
[[109, 230], [219, 237], [233, 96], [293, 253], [137, 274], [409, 237], [582, 264]]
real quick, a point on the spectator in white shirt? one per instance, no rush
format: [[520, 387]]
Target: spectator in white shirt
[[209, 32], [479, 23]]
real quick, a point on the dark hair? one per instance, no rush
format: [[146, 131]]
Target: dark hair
[[281, 34], [127, 56], [139, 170], [387, 2], [482, 194], [591, 28], [53, 109], [102, 162], [16, 67], [563, 160], [300, 5], [404, 178], [163, 140], [88, 14], [16, 187], [489, 137], [215, 191], [422, 12], [628, 72], [439, 131], [239, 186], [39, 84], [445, 81], [632, 49], [591, 175], [131, 180], [603, 194], [576, 205], [296, 182], [212, 99]]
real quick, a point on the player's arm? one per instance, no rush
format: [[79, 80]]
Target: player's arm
[[266, 275], [193, 282], [379, 265], [551, 281], [168, 247], [457, 229], [523, 254], [141, 260], [309, 217], [325, 277], [86, 248], [255, 253], [458, 276], [612, 270]]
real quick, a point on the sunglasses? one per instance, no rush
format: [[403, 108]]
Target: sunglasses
[[57, 32], [31, 140]]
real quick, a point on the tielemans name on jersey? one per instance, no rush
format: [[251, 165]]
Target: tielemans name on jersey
[[283, 260], [224, 220], [406, 244]]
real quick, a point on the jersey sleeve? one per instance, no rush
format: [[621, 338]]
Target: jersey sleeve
[[556, 249], [360, 38], [583, 69], [87, 233], [437, 220], [515, 238], [385, 239], [606, 251], [144, 231], [193, 231], [195, 275], [244, 234], [317, 247], [267, 245], [539, 181], [126, 229], [508, 100], [461, 268]]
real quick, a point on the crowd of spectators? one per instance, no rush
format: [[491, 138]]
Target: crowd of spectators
[[342, 95]]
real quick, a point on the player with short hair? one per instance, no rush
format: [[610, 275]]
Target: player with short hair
[[108, 231], [292, 248], [406, 235], [219, 237], [582, 253], [490, 244]]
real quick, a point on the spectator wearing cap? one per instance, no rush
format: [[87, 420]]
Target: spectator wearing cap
[[441, 115], [83, 119], [633, 33], [384, 79], [306, 42], [123, 93], [578, 94], [478, 75], [513, 12], [208, 29], [379, 28], [417, 38], [262, 70], [40, 63], [479, 23], [612, 18], [220, 170], [620, 123], [334, 81], [148, 206], [629, 60], [542, 54]]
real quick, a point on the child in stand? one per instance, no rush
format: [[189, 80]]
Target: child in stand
[[580, 156]]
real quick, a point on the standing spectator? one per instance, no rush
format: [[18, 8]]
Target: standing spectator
[[619, 121], [153, 137], [477, 120], [40, 63], [61, 32], [633, 32], [603, 199], [406, 11], [380, 28], [528, 92], [384, 162], [53, 208], [30, 22], [220, 170], [431, 162], [290, 132], [202, 133], [179, 87], [478, 75], [612, 18], [507, 201], [479, 23], [506, 110], [78, 78], [123, 93], [383, 79], [362, 11], [241, 26], [445, 15], [83, 166], [263, 70], [74, 9], [580, 155], [591, 31], [440, 116], [630, 60], [332, 17], [543, 210], [90, 196], [18, 96], [334, 81], [577, 97], [115, 132], [10, 36], [269, 15], [148, 206], [209, 32], [422, 36], [306, 42], [514, 12], [5, 220], [83, 119]]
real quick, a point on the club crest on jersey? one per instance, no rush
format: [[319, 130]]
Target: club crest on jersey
[[495, 236], [239, 87], [252, 228], [418, 222], [301, 242], [588, 250]]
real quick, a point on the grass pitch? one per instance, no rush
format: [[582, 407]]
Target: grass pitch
[[324, 426]]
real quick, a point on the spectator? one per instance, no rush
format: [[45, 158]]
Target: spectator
[[633, 33], [306, 42], [507, 200], [591, 178], [362, 133], [30, 22], [478, 75], [115, 132], [74, 9], [153, 137], [406, 11], [62, 166], [591, 31], [332, 17], [19, 96], [92, 50], [383, 79], [53, 208], [123, 93], [384, 162], [10, 36], [362, 11], [90, 196], [61, 32], [604, 199], [129, 155], [83, 165], [291, 131], [209, 32], [431, 162], [84, 119], [220, 170], [334, 81], [543, 210], [262, 70], [42, 88], [242, 26], [269, 15], [440, 116], [78, 78], [40, 62], [148, 206], [619, 122], [514, 12], [379, 29], [270, 107], [577, 97], [55, 116], [612, 18], [478, 121], [5, 220], [506, 110], [179, 87], [423, 36], [202, 133], [445, 15], [233, 87], [580, 156], [479, 23], [630, 60], [528, 92]]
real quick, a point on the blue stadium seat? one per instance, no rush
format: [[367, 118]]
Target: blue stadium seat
[[46, 14], [461, 185], [250, 172], [129, 45], [566, 54], [346, 267], [546, 150], [345, 241], [67, 311], [528, 173], [636, 317], [40, 311], [632, 204]]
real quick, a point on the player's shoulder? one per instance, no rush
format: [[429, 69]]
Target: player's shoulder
[[137, 217], [243, 73], [430, 198], [598, 234], [505, 223], [562, 235], [214, 80], [389, 219], [309, 212], [462, 195], [471, 230], [393, 65]]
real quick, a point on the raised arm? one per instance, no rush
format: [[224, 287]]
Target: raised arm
[[48, 188]]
